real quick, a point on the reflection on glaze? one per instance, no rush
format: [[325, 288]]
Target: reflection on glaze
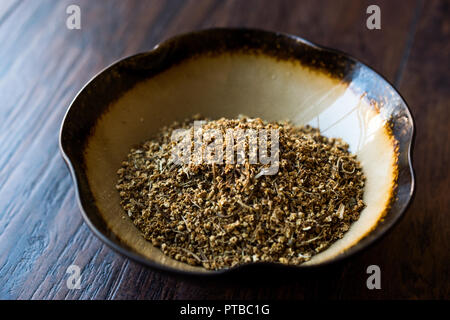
[[352, 118]]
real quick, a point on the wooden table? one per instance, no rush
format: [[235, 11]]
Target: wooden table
[[43, 65]]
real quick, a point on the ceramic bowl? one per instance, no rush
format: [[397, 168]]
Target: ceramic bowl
[[224, 73]]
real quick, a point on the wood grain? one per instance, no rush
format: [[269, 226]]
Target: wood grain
[[43, 65]]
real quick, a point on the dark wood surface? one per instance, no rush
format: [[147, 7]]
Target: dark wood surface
[[43, 65]]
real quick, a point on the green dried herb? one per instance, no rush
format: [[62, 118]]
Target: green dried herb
[[219, 216]]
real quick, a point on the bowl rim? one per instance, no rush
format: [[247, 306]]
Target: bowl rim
[[351, 251]]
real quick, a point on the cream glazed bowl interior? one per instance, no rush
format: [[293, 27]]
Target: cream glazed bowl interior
[[224, 73]]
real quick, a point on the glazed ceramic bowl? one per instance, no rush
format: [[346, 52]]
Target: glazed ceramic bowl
[[224, 73]]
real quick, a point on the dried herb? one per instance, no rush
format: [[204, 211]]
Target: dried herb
[[219, 216]]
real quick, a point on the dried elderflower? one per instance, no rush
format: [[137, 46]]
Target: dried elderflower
[[221, 215]]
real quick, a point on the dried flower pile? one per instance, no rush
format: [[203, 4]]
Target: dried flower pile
[[219, 216]]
